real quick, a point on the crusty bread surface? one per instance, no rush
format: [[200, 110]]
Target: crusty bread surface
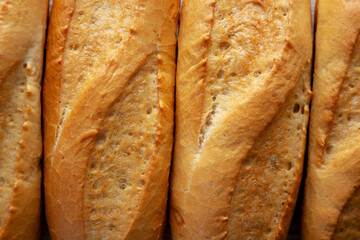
[[242, 106], [108, 117], [22, 37], [332, 191]]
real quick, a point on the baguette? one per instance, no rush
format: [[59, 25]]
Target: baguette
[[22, 38], [242, 96], [108, 117], [332, 189]]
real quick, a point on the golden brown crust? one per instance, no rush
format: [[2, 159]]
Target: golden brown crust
[[22, 38], [58, 26], [334, 165], [56, 39], [348, 224], [267, 186], [151, 32], [218, 124]]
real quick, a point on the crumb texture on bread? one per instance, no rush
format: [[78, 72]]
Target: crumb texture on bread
[[85, 54], [243, 34], [119, 161], [108, 137], [348, 224], [22, 34], [344, 135], [269, 180], [243, 73], [331, 196]]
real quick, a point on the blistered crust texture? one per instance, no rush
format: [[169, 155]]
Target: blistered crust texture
[[243, 34], [22, 34], [243, 78], [348, 224], [12, 98], [331, 203], [345, 131], [108, 117], [119, 161], [84, 54], [269, 180]]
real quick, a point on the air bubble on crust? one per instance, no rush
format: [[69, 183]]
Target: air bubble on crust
[[248, 161], [98, 184], [74, 46], [296, 108], [289, 166], [92, 213], [111, 227], [224, 45], [329, 149], [101, 137], [122, 183], [257, 73], [141, 182], [94, 164], [148, 109], [220, 74]]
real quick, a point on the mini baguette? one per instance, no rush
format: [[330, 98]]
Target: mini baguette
[[332, 189], [108, 117], [22, 38], [242, 96]]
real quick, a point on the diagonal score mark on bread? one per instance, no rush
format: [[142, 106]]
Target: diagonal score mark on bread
[[226, 109], [251, 128], [91, 108], [337, 142], [333, 179], [109, 78]]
